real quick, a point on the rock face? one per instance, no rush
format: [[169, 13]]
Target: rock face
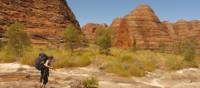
[[116, 23], [122, 38], [182, 30], [141, 27], [44, 19], [89, 30]]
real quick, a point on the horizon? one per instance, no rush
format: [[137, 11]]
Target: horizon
[[90, 11]]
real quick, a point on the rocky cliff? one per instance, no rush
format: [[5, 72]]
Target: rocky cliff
[[44, 19], [143, 28], [89, 30]]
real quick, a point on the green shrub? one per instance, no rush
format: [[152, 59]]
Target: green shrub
[[6, 57], [188, 50], [125, 65], [79, 61], [60, 63], [136, 70], [72, 61], [29, 57], [162, 47], [117, 68], [71, 38], [91, 82], [18, 40], [104, 40], [174, 63]]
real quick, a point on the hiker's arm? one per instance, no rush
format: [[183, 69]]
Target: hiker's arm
[[46, 65]]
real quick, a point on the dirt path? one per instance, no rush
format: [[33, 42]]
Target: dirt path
[[14, 75]]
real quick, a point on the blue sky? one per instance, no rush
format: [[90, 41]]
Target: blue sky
[[104, 11]]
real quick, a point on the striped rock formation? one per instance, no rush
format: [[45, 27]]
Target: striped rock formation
[[89, 30], [143, 29], [186, 30], [44, 19]]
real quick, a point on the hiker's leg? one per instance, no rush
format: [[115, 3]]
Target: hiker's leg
[[45, 79], [42, 86], [41, 76]]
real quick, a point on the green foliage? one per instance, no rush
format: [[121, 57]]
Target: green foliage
[[104, 40], [125, 65], [128, 63], [78, 59], [174, 63], [29, 57], [134, 46], [188, 50], [18, 40], [71, 37], [1, 44], [162, 47], [90, 82], [6, 57], [72, 61]]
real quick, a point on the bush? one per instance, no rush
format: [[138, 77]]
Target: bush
[[188, 50], [174, 63], [29, 57], [117, 68], [71, 37], [60, 63], [79, 61], [6, 57], [72, 61], [104, 40], [90, 82], [125, 65], [18, 40], [162, 47]]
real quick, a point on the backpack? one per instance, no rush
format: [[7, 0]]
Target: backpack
[[40, 61]]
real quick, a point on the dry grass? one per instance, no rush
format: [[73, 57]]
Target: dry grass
[[79, 58], [6, 57], [120, 62], [128, 63]]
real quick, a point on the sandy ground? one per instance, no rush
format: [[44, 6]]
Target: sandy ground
[[14, 75]]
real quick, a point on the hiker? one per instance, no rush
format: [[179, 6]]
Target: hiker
[[43, 64], [45, 73]]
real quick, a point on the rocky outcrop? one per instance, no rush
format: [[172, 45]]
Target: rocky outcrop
[[44, 19], [122, 37], [143, 28], [116, 23], [89, 30], [182, 30]]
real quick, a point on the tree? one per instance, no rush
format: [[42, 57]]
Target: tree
[[134, 46], [104, 40], [188, 49], [18, 40], [71, 38], [162, 47]]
